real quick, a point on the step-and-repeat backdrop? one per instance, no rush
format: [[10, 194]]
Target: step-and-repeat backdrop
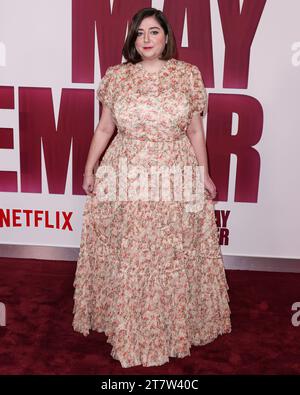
[[52, 57]]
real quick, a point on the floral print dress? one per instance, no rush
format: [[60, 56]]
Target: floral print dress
[[150, 273]]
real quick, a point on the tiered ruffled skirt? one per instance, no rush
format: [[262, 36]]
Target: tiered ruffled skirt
[[150, 274]]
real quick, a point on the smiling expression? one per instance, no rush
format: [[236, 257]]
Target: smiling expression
[[151, 39]]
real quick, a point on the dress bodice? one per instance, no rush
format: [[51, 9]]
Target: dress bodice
[[155, 106]]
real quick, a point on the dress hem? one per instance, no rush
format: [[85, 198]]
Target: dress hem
[[226, 330]]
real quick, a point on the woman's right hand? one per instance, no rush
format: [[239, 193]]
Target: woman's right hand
[[88, 184]]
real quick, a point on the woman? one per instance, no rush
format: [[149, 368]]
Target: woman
[[150, 272]]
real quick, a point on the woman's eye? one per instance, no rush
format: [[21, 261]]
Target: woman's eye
[[155, 32]]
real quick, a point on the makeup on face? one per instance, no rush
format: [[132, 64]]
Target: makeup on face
[[150, 37]]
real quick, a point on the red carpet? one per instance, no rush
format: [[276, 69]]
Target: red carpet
[[39, 339]]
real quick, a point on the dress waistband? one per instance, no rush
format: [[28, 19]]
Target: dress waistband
[[125, 135]]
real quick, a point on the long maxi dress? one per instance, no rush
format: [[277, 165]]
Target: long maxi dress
[[150, 273]]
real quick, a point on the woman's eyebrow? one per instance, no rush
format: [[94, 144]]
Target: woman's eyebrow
[[153, 27]]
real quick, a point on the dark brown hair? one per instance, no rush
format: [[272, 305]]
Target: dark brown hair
[[129, 51]]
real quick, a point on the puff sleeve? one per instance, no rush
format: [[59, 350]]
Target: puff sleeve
[[105, 90], [198, 93]]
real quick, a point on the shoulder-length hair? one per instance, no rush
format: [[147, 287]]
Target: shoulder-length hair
[[129, 51]]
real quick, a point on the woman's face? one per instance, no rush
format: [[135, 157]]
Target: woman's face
[[151, 39]]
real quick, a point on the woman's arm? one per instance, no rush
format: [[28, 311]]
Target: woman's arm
[[195, 133], [101, 138], [102, 135]]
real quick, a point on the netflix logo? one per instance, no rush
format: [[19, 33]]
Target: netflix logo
[[25, 218]]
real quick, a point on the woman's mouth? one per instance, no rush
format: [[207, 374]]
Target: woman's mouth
[[147, 47]]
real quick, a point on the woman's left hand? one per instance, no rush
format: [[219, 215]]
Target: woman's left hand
[[210, 186]]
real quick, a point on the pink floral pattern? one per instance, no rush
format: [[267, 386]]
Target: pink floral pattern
[[150, 274]]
